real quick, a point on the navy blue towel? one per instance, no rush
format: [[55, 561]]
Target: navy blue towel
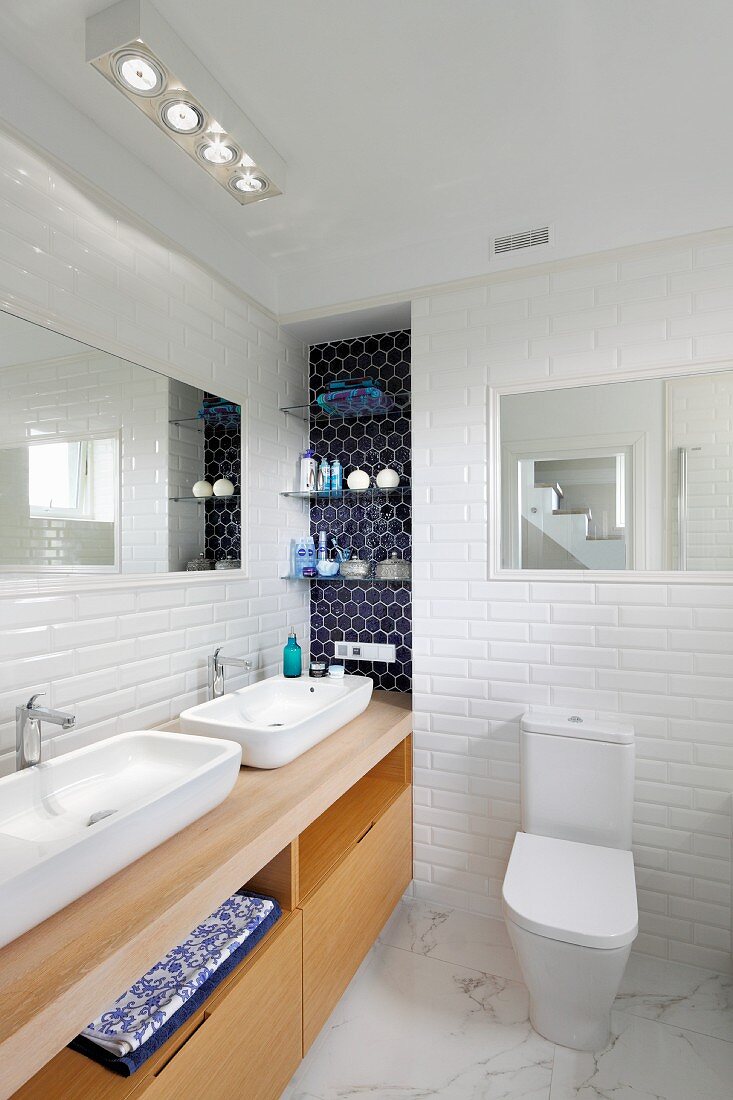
[[128, 1064]]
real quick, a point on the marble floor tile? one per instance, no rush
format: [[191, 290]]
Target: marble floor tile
[[697, 1000], [466, 939], [436, 1012], [646, 1061], [417, 1028]]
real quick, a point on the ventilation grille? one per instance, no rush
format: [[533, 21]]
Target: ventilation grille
[[530, 238]]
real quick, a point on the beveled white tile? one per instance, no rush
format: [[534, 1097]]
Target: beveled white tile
[[646, 1061], [55, 239], [683, 996], [410, 1028], [452, 935]]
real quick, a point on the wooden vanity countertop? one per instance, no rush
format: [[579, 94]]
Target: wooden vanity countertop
[[62, 973]]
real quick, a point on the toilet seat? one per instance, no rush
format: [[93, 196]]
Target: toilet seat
[[578, 893]]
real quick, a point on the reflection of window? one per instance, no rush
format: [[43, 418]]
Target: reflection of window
[[73, 479]]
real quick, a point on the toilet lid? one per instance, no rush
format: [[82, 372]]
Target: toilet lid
[[577, 893]]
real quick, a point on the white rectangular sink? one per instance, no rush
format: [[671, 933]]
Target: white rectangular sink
[[278, 719], [57, 839]]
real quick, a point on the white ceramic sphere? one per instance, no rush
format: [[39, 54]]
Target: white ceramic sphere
[[388, 479], [202, 489], [223, 487], [358, 480]]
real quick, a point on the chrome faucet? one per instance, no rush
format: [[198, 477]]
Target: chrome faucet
[[217, 665], [28, 730]]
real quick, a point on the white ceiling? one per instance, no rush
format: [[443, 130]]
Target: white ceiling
[[413, 130]]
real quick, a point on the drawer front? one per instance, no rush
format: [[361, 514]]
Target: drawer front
[[250, 1042], [343, 917]]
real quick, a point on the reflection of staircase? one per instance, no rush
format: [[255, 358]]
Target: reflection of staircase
[[569, 531]]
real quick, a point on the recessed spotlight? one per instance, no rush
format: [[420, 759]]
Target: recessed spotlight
[[139, 74], [120, 47], [250, 183], [218, 152], [182, 116]]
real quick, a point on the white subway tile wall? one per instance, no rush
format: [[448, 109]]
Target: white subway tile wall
[[125, 659], [661, 655]]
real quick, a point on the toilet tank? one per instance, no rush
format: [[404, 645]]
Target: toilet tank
[[577, 778]]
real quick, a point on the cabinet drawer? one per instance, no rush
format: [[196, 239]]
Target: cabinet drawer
[[345, 914], [249, 1043]]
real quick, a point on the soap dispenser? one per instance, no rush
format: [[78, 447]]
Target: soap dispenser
[[292, 657]]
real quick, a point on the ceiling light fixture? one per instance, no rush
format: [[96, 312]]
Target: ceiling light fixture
[[249, 184], [139, 74], [218, 152], [182, 116], [141, 55]]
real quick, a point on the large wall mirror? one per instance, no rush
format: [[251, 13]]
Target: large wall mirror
[[625, 476], [108, 467]]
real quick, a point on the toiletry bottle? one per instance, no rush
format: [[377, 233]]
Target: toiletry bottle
[[337, 478], [292, 657], [310, 552], [308, 473], [301, 556], [324, 477], [322, 548]]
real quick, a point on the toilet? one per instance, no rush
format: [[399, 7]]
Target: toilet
[[569, 895]]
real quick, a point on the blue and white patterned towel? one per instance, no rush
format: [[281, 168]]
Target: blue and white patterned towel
[[154, 998]]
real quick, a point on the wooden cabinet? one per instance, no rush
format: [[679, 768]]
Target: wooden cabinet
[[337, 884], [344, 915], [249, 1042], [224, 1050]]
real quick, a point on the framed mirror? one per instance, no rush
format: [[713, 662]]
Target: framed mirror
[[617, 477], [107, 467]]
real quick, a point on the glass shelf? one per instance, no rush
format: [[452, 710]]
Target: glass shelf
[[203, 500], [195, 422], [351, 494], [198, 423], [313, 411], [365, 582]]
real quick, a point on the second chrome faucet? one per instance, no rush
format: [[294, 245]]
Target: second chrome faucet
[[217, 666], [28, 720]]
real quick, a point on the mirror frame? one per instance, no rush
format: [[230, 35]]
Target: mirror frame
[[70, 583], [495, 571]]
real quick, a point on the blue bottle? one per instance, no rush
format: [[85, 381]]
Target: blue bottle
[[301, 556], [292, 657], [337, 478], [323, 480]]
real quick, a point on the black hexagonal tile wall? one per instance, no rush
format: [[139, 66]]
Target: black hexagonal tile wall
[[365, 612]]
